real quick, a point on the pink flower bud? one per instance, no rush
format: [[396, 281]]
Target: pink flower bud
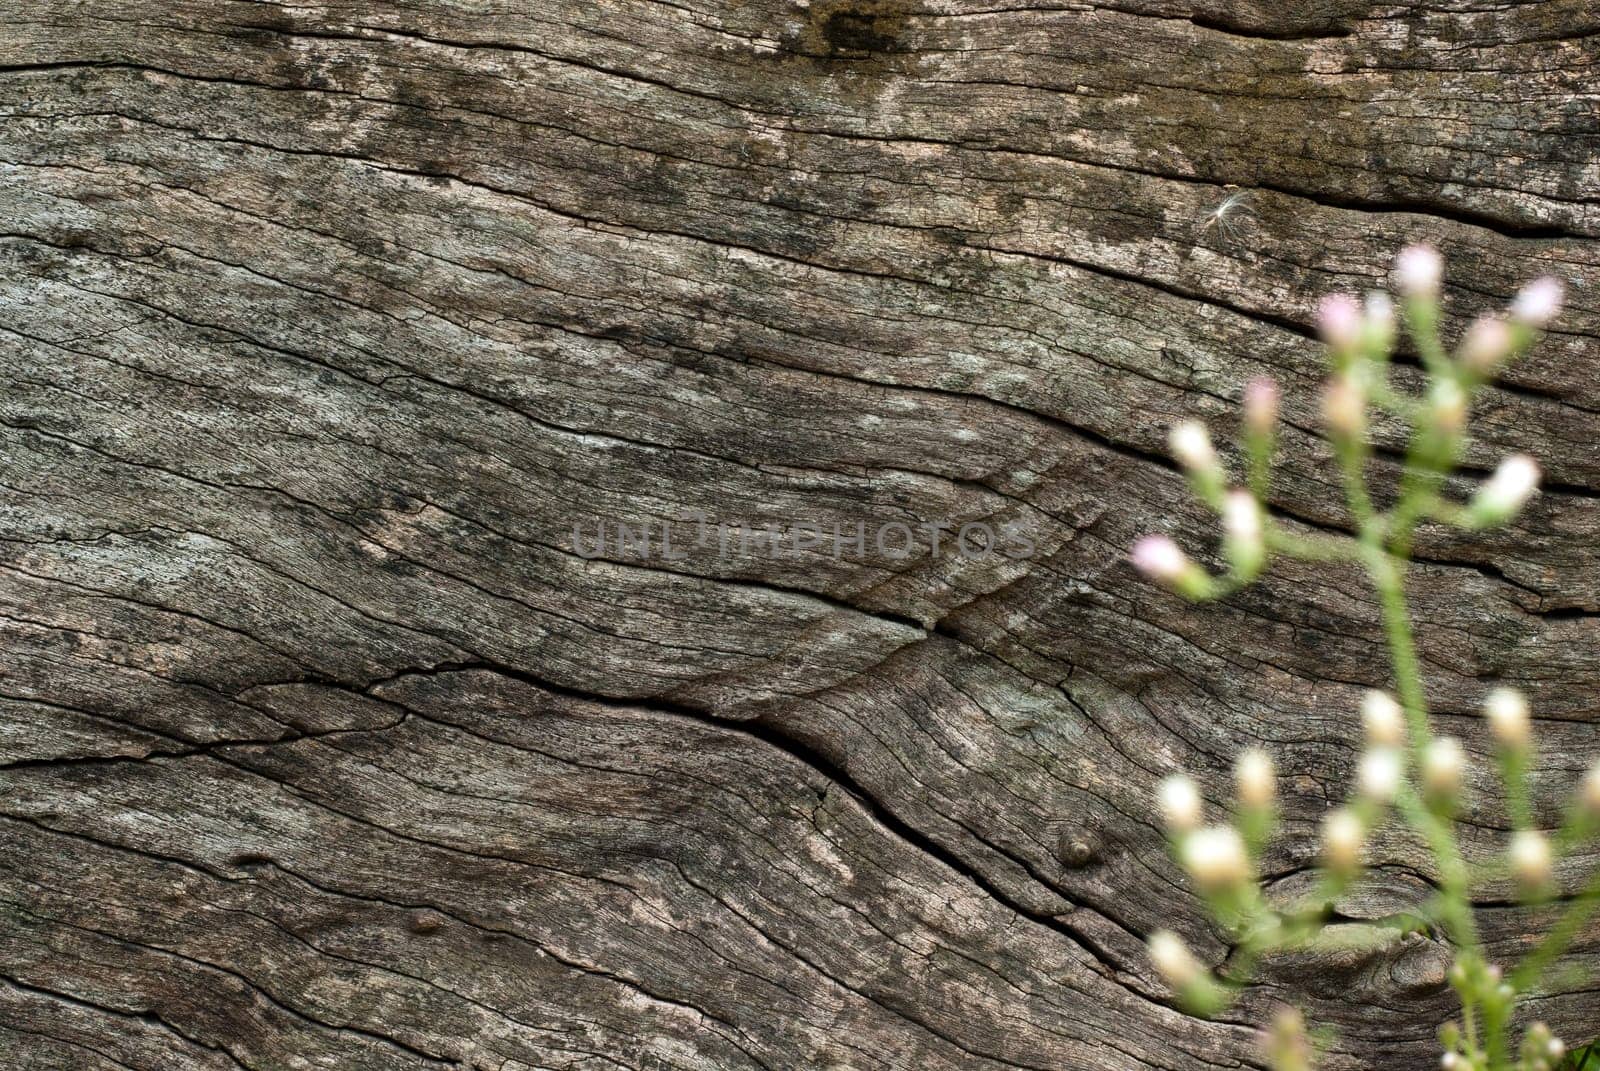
[[1261, 405], [1487, 343], [1418, 270], [1344, 407], [1538, 303], [1339, 322], [1159, 558]]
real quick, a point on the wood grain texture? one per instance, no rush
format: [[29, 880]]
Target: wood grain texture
[[325, 325]]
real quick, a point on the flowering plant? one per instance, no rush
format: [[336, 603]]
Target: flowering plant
[[1406, 772]]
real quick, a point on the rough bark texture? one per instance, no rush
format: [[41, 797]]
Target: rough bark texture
[[324, 324]]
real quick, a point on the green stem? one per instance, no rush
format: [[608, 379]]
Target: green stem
[[1388, 579], [1422, 318], [1453, 873], [1313, 548], [1514, 772], [1455, 909], [1352, 455]]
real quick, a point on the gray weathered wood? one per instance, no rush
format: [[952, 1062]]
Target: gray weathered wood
[[324, 325]]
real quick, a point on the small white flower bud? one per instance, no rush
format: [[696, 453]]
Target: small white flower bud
[[1555, 1048], [1507, 711], [1257, 781], [1447, 405], [1344, 406], [1379, 773], [1339, 322], [1591, 787], [1286, 1046], [1443, 762], [1173, 959], [1342, 839], [1190, 444], [1538, 303], [1383, 720], [1242, 527], [1530, 858], [1215, 858], [1241, 516], [1504, 493], [1418, 270], [1487, 343], [1377, 330], [1261, 405], [1450, 1061], [1180, 803]]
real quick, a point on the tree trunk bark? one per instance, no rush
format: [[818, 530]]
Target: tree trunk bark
[[334, 333]]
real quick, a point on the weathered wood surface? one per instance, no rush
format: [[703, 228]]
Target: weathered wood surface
[[324, 324]]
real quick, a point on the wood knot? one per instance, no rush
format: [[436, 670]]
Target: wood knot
[[425, 922], [1423, 966], [1078, 849]]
